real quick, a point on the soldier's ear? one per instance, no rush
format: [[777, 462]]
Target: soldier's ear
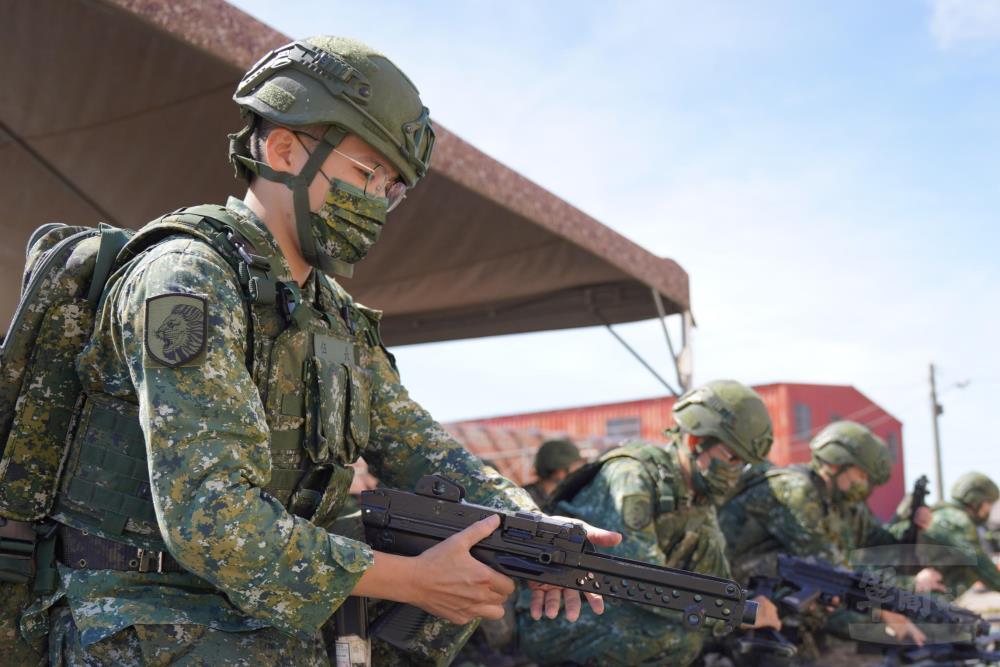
[[279, 150], [692, 441]]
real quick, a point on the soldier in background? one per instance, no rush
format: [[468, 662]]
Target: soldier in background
[[662, 498], [554, 460], [816, 510], [956, 524]]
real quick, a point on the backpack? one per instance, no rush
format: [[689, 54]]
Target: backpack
[[65, 274]]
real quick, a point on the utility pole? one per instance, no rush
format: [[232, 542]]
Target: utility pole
[[936, 411]]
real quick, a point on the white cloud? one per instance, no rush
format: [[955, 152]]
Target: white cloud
[[954, 22]]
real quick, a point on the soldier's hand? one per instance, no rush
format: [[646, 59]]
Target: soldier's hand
[[900, 627], [927, 580], [548, 598], [450, 583], [767, 614], [922, 519]]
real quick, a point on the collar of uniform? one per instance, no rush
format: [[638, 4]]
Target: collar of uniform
[[282, 272]]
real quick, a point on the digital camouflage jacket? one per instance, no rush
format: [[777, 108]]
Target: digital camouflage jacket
[[211, 447], [952, 527], [640, 492]]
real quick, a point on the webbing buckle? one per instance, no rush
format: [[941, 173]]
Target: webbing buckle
[[146, 557], [17, 551]]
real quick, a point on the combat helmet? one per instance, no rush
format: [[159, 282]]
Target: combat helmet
[[348, 88], [731, 412], [344, 83], [845, 443], [974, 488]]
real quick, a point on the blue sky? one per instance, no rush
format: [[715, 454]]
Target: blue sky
[[826, 173]]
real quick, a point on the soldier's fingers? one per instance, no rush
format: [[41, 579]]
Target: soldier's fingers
[[476, 532], [571, 599], [553, 599], [596, 602], [500, 583], [599, 536], [491, 611], [537, 603]]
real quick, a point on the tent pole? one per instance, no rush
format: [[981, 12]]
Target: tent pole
[[638, 358], [658, 300], [59, 176]]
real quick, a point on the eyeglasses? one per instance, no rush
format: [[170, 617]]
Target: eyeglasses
[[377, 181]]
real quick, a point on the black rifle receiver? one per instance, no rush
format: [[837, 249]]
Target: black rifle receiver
[[815, 580], [918, 499], [540, 548]]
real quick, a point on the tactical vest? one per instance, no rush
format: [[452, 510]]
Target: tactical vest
[[309, 367], [653, 457]]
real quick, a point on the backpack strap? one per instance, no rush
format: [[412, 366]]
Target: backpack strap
[[113, 240]]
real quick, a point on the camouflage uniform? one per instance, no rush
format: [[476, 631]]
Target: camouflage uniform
[[791, 511], [640, 492], [252, 568], [965, 558]]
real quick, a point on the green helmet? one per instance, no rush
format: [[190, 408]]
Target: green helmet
[[730, 412], [555, 455], [343, 83], [974, 488], [849, 443]]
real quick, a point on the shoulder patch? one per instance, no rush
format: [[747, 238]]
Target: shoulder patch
[[637, 511], [175, 328]]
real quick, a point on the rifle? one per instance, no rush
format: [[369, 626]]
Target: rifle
[[918, 499], [979, 652], [813, 580], [536, 548]]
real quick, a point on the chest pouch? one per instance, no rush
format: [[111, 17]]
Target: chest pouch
[[338, 402]]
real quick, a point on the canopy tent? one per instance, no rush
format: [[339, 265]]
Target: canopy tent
[[117, 110]]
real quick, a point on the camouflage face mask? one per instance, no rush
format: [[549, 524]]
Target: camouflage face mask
[[857, 492], [349, 222], [719, 481]]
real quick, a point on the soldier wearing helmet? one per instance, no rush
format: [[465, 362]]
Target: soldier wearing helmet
[[814, 510], [662, 498], [956, 524], [554, 460], [231, 382]]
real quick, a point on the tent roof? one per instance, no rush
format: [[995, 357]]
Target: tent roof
[[117, 110]]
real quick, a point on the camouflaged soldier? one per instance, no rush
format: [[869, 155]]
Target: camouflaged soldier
[[816, 510], [662, 499], [554, 460], [230, 382], [956, 525]]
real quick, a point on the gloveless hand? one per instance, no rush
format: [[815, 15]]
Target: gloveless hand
[[450, 583], [546, 598]]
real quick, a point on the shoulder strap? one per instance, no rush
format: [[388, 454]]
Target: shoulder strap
[[651, 456], [112, 241], [236, 242]]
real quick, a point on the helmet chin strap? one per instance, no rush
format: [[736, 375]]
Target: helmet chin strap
[[299, 185]]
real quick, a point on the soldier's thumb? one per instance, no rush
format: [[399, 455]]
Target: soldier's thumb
[[477, 531]]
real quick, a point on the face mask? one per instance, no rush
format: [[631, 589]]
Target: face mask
[[348, 224], [857, 492], [718, 482], [979, 517]]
